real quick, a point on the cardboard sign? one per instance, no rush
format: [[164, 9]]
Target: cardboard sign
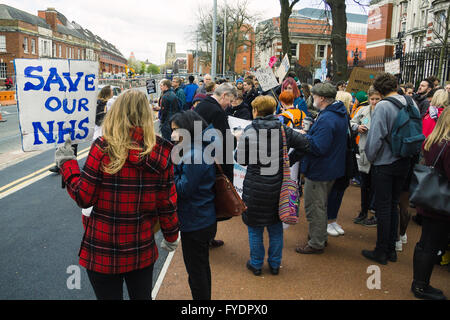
[[56, 99], [283, 69], [392, 67], [151, 86], [266, 78], [361, 79]]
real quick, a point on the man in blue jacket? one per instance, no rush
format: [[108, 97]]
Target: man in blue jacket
[[324, 163], [189, 92]]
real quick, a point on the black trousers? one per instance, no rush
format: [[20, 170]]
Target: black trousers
[[110, 286], [366, 191], [388, 181], [195, 246], [434, 237]]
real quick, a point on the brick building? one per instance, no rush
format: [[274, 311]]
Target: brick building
[[310, 36], [412, 24], [51, 35]]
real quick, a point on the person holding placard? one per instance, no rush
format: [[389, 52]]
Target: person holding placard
[[128, 178]]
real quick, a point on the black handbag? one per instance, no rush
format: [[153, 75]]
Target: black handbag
[[429, 189]]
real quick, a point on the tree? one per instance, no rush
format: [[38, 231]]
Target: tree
[[338, 38], [153, 69], [286, 11], [239, 23]]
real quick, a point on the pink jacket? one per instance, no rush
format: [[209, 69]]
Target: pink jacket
[[429, 123]]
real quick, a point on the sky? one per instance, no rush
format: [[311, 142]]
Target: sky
[[145, 26]]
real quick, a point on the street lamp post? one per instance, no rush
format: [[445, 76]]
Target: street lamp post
[[214, 43]]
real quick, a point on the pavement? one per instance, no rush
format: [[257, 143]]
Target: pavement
[[340, 273]]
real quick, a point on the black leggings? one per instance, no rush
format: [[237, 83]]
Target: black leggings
[[110, 286]]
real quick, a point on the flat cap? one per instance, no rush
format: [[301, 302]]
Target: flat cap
[[326, 90]]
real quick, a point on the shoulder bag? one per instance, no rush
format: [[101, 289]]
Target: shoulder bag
[[228, 203], [430, 189]]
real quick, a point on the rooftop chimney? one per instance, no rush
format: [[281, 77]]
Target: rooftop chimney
[[51, 17]]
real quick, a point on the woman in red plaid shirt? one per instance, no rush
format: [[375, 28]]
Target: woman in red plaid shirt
[[128, 179]]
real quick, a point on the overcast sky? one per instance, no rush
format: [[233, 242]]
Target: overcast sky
[[145, 26]]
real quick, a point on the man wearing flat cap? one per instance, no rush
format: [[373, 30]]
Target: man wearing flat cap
[[324, 163]]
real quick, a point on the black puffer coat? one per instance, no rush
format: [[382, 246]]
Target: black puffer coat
[[261, 192]]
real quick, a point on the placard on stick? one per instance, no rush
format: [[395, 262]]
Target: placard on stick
[[361, 79], [56, 100], [266, 78]]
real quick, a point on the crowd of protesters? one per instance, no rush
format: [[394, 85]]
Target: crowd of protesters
[[133, 186]]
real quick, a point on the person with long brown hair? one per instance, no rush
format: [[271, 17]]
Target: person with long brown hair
[[128, 178], [435, 226]]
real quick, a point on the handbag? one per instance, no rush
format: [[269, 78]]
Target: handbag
[[430, 189], [289, 205], [227, 201]]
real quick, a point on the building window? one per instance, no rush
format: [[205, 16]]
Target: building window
[[440, 22], [67, 52], [321, 51], [2, 43], [25, 45], [33, 46], [54, 50], [3, 73], [60, 51], [244, 60], [245, 48], [294, 50], [45, 48]]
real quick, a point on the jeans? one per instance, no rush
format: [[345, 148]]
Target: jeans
[[110, 286], [195, 246], [257, 251], [366, 192], [388, 183], [334, 202]]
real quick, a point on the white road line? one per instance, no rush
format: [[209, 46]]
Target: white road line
[[162, 274], [31, 181]]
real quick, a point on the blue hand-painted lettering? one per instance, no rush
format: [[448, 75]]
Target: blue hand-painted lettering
[[28, 74]]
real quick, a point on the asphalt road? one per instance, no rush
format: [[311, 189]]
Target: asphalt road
[[40, 225]]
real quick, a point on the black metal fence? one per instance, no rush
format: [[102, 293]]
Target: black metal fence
[[414, 66]]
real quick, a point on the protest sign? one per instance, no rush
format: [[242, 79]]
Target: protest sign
[[266, 78], [283, 69], [56, 99], [361, 79], [392, 67], [151, 86]]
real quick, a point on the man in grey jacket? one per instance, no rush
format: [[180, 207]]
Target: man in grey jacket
[[389, 171]]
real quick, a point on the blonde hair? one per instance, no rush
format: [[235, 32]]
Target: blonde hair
[[130, 110], [440, 98], [346, 98], [441, 130], [264, 105]]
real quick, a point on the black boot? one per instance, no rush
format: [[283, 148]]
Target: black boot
[[360, 218], [376, 256], [423, 263]]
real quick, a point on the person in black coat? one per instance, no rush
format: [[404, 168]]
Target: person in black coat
[[212, 109], [250, 93], [239, 108], [262, 182], [169, 105]]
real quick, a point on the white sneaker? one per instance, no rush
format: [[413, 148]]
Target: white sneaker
[[404, 238], [338, 228], [398, 246], [332, 231]]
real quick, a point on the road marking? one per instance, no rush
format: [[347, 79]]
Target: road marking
[[33, 177], [162, 274]]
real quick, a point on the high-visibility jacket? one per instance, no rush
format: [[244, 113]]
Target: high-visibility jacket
[[293, 118]]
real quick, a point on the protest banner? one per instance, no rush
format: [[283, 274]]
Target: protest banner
[[283, 69], [392, 67], [56, 100], [361, 79], [151, 86], [266, 78]]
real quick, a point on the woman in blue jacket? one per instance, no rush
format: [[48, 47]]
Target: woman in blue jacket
[[194, 179]]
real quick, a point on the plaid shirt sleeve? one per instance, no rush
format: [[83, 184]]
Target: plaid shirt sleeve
[[166, 201], [83, 186]]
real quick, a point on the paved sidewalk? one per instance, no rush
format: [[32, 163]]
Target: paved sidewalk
[[339, 273]]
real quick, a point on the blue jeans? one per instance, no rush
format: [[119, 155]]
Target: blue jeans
[[257, 251]]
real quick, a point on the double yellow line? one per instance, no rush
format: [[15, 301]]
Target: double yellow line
[[23, 182]]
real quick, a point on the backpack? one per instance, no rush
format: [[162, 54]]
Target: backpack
[[406, 137]]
